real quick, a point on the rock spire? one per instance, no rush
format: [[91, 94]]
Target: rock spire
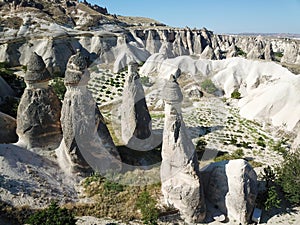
[[38, 124], [87, 144], [181, 185], [135, 118]]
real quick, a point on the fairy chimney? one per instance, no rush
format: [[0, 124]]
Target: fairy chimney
[[180, 180], [87, 144], [38, 124]]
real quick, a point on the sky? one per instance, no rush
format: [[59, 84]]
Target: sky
[[220, 16]]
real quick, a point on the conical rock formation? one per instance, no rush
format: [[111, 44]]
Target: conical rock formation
[[87, 144], [38, 124], [136, 121], [181, 185]]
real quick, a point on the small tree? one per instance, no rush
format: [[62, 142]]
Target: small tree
[[289, 177], [59, 87], [272, 199]]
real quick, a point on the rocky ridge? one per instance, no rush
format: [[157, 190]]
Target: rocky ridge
[[104, 37]]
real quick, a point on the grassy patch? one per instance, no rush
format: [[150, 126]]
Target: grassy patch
[[117, 201], [208, 86], [53, 215], [238, 154]]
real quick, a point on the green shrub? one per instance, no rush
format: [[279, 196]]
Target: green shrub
[[239, 154], [53, 215], [269, 176], [208, 86], [272, 199], [110, 186], [279, 147], [146, 81], [147, 205], [236, 94], [59, 87], [240, 52], [261, 142], [269, 197], [24, 68], [288, 177], [201, 145], [278, 54]]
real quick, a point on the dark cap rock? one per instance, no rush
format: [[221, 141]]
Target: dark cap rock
[[76, 70], [171, 92], [36, 70]]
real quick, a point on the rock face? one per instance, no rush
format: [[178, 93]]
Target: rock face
[[256, 52], [291, 53], [135, 118], [181, 185], [8, 127], [232, 51], [87, 144], [208, 53], [38, 113], [269, 54], [230, 188]]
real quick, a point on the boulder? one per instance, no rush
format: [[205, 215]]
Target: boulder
[[180, 180], [230, 189], [8, 127], [38, 124]]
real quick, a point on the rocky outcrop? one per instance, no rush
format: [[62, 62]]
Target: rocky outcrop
[[257, 51], [232, 51], [8, 127], [38, 124], [268, 52], [291, 53], [208, 53], [181, 186], [87, 144], [230, 189]]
